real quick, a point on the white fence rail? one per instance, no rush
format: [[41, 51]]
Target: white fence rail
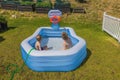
[[111, 25]]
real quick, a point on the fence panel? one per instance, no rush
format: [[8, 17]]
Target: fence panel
[[111, 25]]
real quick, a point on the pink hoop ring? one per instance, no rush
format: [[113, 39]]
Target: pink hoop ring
[[55, 19]]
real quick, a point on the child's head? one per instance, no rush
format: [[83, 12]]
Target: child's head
[[38, 37], [64, 36]]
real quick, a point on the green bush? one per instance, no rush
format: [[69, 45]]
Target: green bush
[[16, 0], [2, 19], [27, 0], [10, 2], [26, 3], [44, 4], [62, 3], [39, 0]]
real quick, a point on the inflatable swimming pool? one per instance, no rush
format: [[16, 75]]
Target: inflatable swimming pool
[[54, 59]]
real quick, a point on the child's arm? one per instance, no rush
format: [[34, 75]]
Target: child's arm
[[65, 46], [38, 47]]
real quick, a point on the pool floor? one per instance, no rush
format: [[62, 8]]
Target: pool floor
[[55, 44]]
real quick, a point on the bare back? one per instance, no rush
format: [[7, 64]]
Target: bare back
[[67, 44]]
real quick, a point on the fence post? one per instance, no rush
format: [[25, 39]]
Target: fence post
[[119, 30], [103, 21]]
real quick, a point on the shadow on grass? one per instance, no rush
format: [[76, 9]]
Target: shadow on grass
[[85, 60], [87, 57], [1, 39], [9, 28]]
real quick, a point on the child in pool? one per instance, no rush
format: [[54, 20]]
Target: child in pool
[[67, 41], [38, 44]]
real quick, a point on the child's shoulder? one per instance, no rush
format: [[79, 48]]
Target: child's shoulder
[[37, 42]]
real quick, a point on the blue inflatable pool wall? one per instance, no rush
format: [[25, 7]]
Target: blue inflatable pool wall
[[55, 59]]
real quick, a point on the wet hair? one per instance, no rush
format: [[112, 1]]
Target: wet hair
[[64, 35], [38, 37]]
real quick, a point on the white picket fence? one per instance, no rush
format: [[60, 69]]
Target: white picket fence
[[111, 25]]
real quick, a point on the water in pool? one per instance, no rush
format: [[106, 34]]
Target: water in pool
[[54, 43]]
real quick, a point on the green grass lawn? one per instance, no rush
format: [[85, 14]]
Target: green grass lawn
[[102, 62]]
